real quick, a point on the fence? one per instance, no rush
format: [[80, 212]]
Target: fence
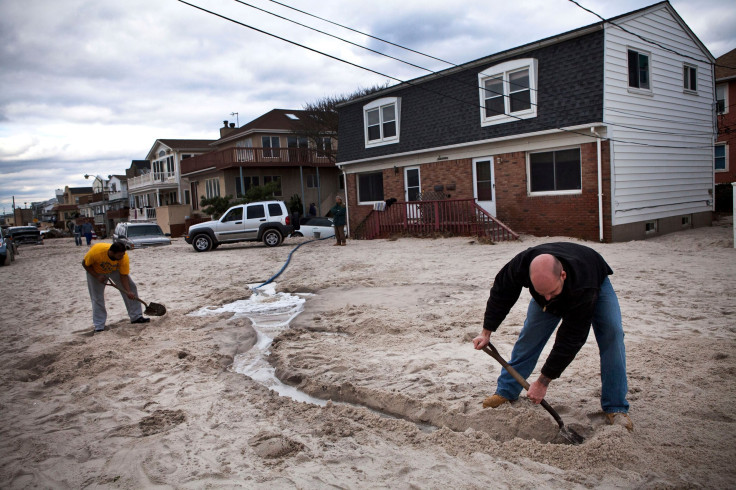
[[462, 217]]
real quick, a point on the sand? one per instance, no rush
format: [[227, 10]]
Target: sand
[[386, 335]]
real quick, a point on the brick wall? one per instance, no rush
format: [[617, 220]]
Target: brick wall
[[569, 215]]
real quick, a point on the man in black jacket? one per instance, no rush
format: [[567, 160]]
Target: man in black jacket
[[568, 282]]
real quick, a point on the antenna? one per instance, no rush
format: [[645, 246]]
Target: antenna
[[237, 122]]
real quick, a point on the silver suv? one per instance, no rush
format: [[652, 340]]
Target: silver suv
[[140, 235], [266, 221]]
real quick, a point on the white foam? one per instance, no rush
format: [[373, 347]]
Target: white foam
[[270, 313]]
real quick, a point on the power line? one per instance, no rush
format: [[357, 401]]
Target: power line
[[432, 57], [486, 90], [655, 43], [421, 87]]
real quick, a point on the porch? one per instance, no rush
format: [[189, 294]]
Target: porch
[[142, 214], [241, 157], [459, 217]]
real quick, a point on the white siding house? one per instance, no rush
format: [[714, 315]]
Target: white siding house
[[660, 169]]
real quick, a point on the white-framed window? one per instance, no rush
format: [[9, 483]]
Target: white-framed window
[[650, 227], [270, 145], [248, 181], [720, 157], [212, 188], [381, 119], [690, 78], [639, 72], [722, 98], [312, 181], [508, 92], [370, 187], [554, 172], [686, 221]]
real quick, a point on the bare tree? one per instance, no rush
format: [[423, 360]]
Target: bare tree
[[321, 119]]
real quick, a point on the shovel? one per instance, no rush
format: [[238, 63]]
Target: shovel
[[152, 309], [567, 433]]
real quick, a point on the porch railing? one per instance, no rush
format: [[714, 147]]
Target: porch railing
[[234, 157], [142, 214], [461, 217]]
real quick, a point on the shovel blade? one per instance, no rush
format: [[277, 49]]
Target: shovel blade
[[155, 309], [571, 436]]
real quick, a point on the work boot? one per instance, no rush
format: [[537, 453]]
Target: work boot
[[494, 401], [620, 419]]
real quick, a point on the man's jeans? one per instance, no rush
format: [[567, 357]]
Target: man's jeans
[[609, 335], [97, 295]]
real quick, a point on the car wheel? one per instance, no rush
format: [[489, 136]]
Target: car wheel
[[272, 238], [297, 234], [202, 243], [6, 260]]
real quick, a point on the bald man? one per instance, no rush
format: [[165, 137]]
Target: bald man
[[568, 282]]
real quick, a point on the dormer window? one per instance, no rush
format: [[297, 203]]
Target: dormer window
[[508, 92], [381, 120]]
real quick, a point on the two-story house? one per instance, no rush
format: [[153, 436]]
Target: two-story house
[[269, 148], [158, 183], [602, 133], [724, 161]]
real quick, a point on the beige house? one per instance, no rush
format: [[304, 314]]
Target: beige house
[[267, 149]]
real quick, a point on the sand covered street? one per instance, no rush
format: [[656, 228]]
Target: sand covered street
[[386, 335]]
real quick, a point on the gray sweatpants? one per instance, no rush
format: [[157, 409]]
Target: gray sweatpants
[[97, 295]]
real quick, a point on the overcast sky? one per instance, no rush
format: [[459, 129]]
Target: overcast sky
[[86, 86]]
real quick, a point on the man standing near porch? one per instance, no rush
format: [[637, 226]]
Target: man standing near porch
[[105, 262], [567, 282], [338, 213]]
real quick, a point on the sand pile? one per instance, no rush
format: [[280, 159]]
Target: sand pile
[[385, 336]]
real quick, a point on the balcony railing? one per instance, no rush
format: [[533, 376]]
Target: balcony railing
[[461, 217], [142, 214], [152, 178], [242, 157]]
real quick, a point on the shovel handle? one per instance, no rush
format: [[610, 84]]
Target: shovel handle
[[109, 281], [491, 351]]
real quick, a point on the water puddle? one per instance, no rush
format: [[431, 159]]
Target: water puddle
[[270, 314]]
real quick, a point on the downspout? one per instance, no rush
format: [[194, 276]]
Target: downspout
[[347, 207], [600, 184], [242, 182]]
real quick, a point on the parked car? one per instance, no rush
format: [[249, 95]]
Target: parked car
[[266, 221], [8, 249], [24, 235], [140, 235], [315, 227]]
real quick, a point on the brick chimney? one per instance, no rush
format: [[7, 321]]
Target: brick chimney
[[227, 128]]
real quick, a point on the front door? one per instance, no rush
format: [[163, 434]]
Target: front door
[[484, 187], [412, 191], [231, 226]]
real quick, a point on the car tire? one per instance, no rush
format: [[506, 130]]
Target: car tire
[[202, 243], [297, 234], [272, 238], [6, 260]]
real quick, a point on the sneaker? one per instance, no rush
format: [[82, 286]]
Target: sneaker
[[100, 329], [620, 419], [141, 319], [494, 401]]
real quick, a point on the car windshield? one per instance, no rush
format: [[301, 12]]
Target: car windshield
[[146, 230]]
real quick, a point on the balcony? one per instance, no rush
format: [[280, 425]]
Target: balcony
[[152, 179], [257, 157]]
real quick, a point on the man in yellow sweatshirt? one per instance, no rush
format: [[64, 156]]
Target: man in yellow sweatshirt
[[103, 262]]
